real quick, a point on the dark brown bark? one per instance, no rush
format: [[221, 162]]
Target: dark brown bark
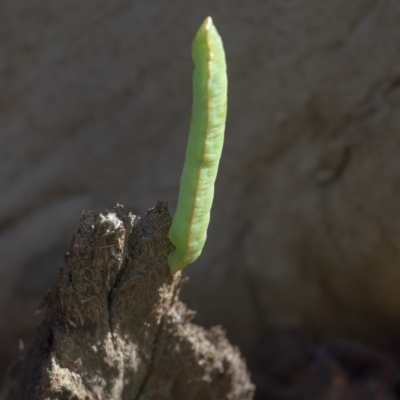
[[115, 328]]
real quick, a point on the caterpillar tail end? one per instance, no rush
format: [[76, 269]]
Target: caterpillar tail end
[[175, 262]]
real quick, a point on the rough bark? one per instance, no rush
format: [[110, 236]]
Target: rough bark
[[115, 328]]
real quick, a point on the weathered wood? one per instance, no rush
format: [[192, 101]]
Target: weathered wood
[[115, 328]]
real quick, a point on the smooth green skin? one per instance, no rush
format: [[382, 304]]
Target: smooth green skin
[[188, 231]]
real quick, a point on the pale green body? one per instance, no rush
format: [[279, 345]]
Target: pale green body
[[188, 231]]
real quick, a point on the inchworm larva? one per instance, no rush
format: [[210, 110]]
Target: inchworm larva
[[188, 231]]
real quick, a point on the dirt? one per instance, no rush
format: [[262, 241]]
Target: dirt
[[114, 326], [291, 367]]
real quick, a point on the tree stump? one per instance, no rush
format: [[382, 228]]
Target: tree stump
[[115, 329]]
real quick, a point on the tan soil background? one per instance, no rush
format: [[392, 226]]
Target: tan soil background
[[95, 100]]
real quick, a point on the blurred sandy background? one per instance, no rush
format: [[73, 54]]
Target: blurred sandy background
[[95, 100]]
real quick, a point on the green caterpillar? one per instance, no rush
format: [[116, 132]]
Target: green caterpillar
[[188, 231]]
